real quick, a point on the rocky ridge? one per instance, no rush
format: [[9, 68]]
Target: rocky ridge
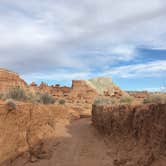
[[81, 91]]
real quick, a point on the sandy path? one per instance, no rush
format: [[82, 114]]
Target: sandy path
[[80, 145]]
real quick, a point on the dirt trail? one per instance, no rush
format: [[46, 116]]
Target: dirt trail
[[79, 145]]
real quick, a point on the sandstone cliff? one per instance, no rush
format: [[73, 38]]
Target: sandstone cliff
[[81, 91], [9, 79]]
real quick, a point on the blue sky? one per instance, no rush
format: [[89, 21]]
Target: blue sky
[[56, 41]]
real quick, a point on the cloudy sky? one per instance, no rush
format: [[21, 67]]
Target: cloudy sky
[[59, 40]]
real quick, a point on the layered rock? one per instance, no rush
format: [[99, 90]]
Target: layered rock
[[9, 79], [55, 90], [81, 91], [137, 133], [105, 87]]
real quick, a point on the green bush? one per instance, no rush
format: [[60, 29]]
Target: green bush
[[126, 99], [45, 98], [155, 99], [16, 93], [11, 105], [62, 101]]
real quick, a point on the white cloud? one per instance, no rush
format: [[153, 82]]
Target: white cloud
[[145, 70], [45, 35], [149, 69], [124, 52], [58, 75]]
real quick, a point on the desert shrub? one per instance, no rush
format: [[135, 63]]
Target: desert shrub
[[147, 100], [114, 101], [1, 96], [126, 99], [11, 105], [32, 97], [62, 101], [155, 99], [45, 98], [103, 101], [16, 93]]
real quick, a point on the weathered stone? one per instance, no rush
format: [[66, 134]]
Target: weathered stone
[[9, 79], [80, 92]]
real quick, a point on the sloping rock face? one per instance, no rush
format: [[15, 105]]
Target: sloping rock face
[[30, 130], [10, 79], [105, 86]]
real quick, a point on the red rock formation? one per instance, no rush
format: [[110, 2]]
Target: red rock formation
[[137, 133], [79, 92], [60, 92], [10, 79], [33, 84], [139, 94]]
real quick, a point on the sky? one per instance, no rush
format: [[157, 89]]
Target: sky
[[56, 41]]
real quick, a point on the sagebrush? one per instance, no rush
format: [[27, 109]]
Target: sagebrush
[[11, 105], [46, 98], [104, 101], [156, 98], [126, 99], [62, 101], [16, 93], [20, 94]]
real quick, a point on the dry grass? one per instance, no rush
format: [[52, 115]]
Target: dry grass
[[20, 94], [156, 98], [125, 99]]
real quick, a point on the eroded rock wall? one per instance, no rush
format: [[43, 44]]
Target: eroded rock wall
[[136, 133], [30, 131], [80, 91], [10, 79]]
